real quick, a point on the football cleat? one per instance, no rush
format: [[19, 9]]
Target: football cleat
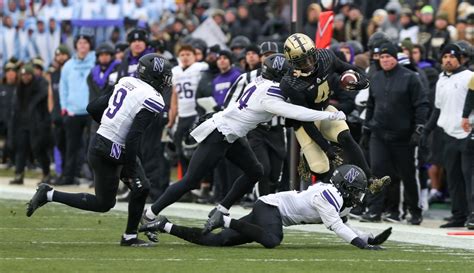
[[216, 220], [154, 226], [135, 242], [152, 236], [378, 184], [39, 199]]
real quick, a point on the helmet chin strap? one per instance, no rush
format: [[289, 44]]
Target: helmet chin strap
[[299, 73]]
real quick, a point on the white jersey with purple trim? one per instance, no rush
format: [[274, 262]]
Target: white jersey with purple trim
[[185, 83], [261, 100], [320, 203], [130, 96]]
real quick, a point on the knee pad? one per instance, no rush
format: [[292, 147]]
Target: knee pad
[[106, 205]]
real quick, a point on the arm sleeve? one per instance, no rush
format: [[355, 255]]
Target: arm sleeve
[[331, 218], [284, 109], [369, 110], [361, 234], [235, 90], [63, 88], [419, 100], [97, 107], [469, 105], [140, 123]]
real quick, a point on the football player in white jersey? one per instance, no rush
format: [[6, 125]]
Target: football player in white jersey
[[223, 135], [123, 118], [326, 203], [186, 77]]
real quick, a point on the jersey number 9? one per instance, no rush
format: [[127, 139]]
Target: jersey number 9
[[116, 103]]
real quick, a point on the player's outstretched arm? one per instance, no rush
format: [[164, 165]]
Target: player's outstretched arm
[[292, 111]]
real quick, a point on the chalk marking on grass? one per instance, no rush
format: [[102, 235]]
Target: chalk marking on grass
[[52, 229], [237, 260]]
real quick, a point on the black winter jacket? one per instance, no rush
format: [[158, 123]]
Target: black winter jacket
[[397, 103]]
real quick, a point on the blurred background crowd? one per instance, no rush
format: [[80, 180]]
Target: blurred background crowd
[[57, 55]]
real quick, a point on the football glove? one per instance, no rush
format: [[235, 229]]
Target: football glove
[[381, 238], [339, 115], [362, 83], [373, 247]]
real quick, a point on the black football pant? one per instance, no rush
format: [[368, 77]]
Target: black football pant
[[106, 180], [74, 127], [396, 158], [269, 147], [182, 130], [262, 225], [157, 167], [206, 157], [457, 161]]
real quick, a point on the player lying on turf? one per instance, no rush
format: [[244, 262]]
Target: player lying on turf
[[113, 152], [327, 203], [223, 135]]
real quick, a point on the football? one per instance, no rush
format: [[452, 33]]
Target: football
[[347, 77]]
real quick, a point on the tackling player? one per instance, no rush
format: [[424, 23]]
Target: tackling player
[[223, 135], [327, 203], [130, 109], [308, 86]]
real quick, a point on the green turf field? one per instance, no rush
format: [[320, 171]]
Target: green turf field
[[60, 239]]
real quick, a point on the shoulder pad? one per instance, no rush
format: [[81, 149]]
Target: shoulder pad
[[325, 59], [295, 83]]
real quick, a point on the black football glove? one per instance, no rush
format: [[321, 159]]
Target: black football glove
[[381, 238], [362, 83], [373, 247]]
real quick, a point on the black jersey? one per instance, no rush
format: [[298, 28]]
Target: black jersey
[[314, 91]]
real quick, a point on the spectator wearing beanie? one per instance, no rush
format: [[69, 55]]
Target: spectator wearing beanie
[[227, 76], [396, 112], [73, 98], [138, 46], [451, 91], [7, 90], [206, 87], [30, 124], [120, 50], [441, 35], [61, 56], [252, 58]]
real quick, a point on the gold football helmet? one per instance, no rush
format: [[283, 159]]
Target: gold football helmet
[[301, 53]]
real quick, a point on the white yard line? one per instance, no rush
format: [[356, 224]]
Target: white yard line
[[237, 260], [401, 233]]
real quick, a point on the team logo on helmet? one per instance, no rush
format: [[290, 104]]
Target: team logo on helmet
[[158, 64], [351, 175], [278, 63]]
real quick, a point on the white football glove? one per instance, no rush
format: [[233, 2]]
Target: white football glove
[[339, 115]]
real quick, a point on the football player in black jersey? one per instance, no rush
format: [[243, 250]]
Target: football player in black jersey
[[307, 85]]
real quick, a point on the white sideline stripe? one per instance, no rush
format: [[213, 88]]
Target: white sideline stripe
[[213, 260], [52, 229], [400, 233]]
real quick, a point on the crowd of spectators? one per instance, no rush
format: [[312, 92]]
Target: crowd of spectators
[[56, 56]]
